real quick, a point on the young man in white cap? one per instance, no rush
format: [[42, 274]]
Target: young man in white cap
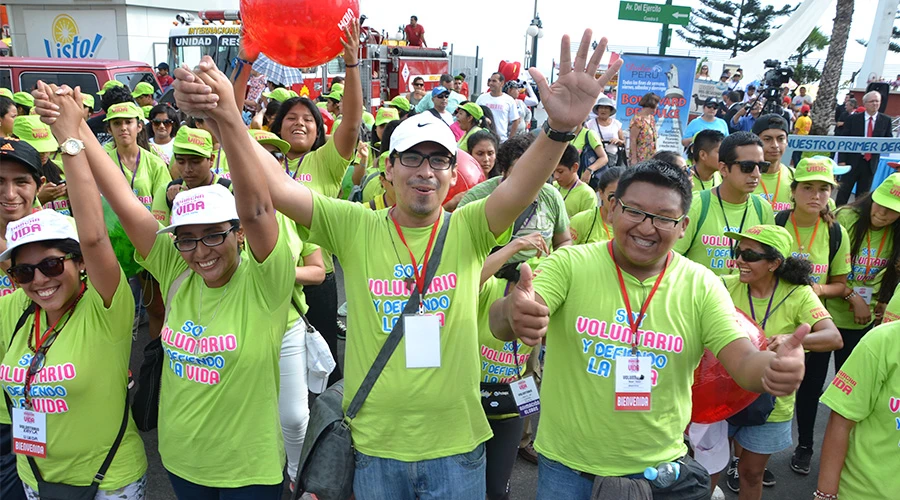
[[440, 430]]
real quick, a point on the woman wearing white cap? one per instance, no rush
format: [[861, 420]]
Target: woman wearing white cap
[[608, 128], [218, 400], [66, 368]]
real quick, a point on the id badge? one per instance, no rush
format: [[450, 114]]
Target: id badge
[[526, 395], [633, 383], [865, 292], [423, 340], [29, 432]]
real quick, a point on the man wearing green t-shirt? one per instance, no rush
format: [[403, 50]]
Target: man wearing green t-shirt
[[704, 153], [616, 402], [730, 206], [775, 184], [439, 430], [577, 195]]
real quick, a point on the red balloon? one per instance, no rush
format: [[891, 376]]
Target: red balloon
[[469, 173], [510, 69], [716, 396], [296, 33]]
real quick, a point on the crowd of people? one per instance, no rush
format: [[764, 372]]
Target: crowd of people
[[221, 222]]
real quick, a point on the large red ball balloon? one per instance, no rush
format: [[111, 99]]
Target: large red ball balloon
[[468, 172], [296, 33], [716, 396]]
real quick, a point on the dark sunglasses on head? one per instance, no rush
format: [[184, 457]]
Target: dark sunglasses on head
[[747, 166], [50, 267], [162, 122], [748, 255]]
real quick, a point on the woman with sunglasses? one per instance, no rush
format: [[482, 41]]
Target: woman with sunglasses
[[773, 287], [70, 342], [418, 91], [595, 225], [703, 72], [164, 124], [219, 432]]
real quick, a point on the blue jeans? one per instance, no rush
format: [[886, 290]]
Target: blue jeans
[[555, 480], [10, 485], [457, 477], [186, 490]]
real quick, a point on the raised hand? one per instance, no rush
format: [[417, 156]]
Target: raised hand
[[192, 95], [528, 318], [785, 372], [61, 108], [570, 99], [533, 241], [351, 42], [219, 84]]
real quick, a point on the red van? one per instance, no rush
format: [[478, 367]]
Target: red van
[[20, 74]]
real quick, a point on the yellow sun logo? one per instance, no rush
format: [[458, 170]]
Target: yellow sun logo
[[64, 29]]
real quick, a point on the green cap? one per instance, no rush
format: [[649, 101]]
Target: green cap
[[382, 161], [23, 99], [142, 88], [264, 137], [6, 92], [776, 237], [321, 105], [336, 94], [887, 194], [399, 102], [124, 110], [386, 115], [87, 100], [473, 109], [817, 168], [280, 94], [146, 110], [337, 87], [368, 119], [192, 141], [32, 130], [110, 84]]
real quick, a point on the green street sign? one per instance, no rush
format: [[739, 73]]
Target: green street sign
[[654, 13]]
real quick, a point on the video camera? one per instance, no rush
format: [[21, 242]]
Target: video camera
[[774, 78]]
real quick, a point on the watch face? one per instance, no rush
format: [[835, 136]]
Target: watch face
[[71, 147]]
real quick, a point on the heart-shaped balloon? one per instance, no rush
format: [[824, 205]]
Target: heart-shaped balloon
[[468, 174]]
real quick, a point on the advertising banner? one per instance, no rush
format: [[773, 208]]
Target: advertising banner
[[669, 77], [71, 34]]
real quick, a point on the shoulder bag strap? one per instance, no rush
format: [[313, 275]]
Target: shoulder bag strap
[[835, 238], [782, 217], [757, 205], [705, 197], [393, 340]]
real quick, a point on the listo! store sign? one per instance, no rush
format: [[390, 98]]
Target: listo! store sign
[[85, 34]]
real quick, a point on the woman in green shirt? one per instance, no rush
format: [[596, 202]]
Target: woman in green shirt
[[470, 118]]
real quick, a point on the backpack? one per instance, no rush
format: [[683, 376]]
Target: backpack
[[357, 192], [705, 197], [587, 155], [835, 238]]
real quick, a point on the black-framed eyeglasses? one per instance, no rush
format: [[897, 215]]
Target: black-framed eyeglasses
[[747, 166], [658, 221], [157, 123], [414, 160], [50, 267], [748, 255], [209, 240]]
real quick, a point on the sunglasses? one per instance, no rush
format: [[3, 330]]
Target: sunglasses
[[161, 122], [442, 96], [748, 255], [418, 85], [747, 166], [209, 240], [50, 267]]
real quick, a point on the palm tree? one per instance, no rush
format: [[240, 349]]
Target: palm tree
[[826, 98], [815, 41]]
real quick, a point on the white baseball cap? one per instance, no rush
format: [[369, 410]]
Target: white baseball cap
[[423, 127], [201, 205], [43, 225]]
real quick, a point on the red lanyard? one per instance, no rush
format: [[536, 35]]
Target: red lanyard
[[797, 234], [608, 236], [869, 249], [777, 187], [632, 321], [420, 277], [38, 339]]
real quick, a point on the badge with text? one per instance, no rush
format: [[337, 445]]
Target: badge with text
[[423, 340], [633, 383], [526, 395], [865, 292], [29, 432]]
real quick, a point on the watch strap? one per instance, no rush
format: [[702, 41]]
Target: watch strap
[[556, 135]]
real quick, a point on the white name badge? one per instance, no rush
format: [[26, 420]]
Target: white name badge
[[865, 292], [423, 340], [525, 393], [633, 383], [29, 432]]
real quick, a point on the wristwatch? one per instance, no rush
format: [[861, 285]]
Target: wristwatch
[[71, 146], [556, 135]]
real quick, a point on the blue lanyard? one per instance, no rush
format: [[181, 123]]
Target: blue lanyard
[[768, 309], [137, 165]]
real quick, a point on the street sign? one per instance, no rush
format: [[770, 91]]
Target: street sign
[[654, 13]]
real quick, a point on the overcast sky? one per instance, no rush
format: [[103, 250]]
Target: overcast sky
[[499, 27]]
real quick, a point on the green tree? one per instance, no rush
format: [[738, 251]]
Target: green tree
[[735, 25], [826, 98], [804, 73]]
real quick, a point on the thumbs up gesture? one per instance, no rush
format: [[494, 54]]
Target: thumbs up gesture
[[527, 317], [785, 371]]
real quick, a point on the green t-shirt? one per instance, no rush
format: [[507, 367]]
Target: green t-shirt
[[6, 288], [372, 189], [299, 250], [411, 414], [578, 199], [891, 312], [82, 389], [584, 135], [588, 330], [777, 187], [160, 205], [218, 403], [11, 299], [463, 143], [152, 175], [865, 271], [220, 164], [699, 185], [867, 391], [710, 246], [589, 227], [550, 217], [60, 204], [792, 306], [817, 253]]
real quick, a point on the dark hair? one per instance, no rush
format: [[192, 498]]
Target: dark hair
[[65, 246], [570, 157], [337, 79], [171, 114], [610, 175], [115, 95], [728, 148], [379, 145], [386, 135], [272, 108], [142, 138], [512, 150], [825, 214], [705, 140], [23, 109], [660, 174], [482, 122], [418, 78], [414, 17], [669, 157], [446, 78], [488, 118], [51, 172], [857, 233], [286, 108], [794, 270], [5, 103], [733, 96], [650, 100], [853, 102], [500, 76]]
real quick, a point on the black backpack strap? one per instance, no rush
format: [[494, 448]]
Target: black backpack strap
[[782, 217], [393, 340], [175, 182], [835, 238], [226, 183]]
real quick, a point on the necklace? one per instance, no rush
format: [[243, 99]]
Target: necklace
[[218, 304], [797, 233]]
